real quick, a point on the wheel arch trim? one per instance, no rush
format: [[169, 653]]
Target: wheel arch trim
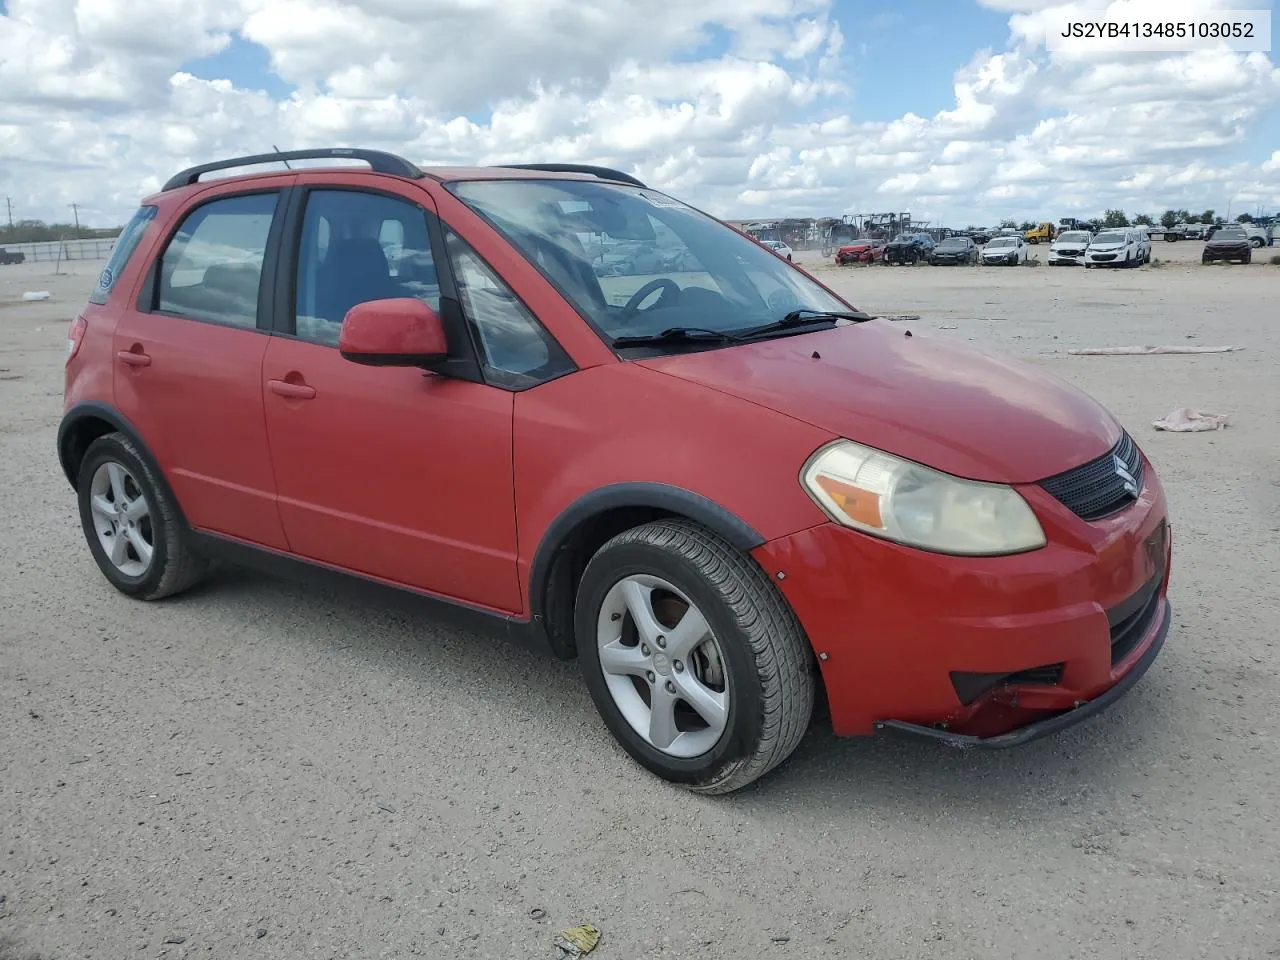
[[101, 411], [659, 496]]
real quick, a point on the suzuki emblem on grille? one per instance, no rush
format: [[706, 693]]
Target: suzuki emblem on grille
[[1127, 478]]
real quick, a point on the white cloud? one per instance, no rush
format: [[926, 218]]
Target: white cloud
[[96, 106]]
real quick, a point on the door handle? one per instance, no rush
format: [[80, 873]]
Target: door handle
[[294, 391], [134, 358]]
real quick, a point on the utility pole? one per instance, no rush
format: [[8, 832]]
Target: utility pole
[[75, 209], [8, 203]]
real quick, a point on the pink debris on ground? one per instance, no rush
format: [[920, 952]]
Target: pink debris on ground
[[1187, 420]]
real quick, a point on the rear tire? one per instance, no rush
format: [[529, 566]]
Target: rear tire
[[755, 678], [131, 524]]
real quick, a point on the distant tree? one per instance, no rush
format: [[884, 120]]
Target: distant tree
[[37, 231], [1244, 218], [1026, 225], [1143, 220], [1207, 216], [1094, 224], [1115, 218], [1008, 224], [1168, 218]]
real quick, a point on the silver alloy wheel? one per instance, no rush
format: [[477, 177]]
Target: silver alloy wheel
[[122, 519], [663, 666]]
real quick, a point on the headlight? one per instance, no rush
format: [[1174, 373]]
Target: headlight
[[909, 503]]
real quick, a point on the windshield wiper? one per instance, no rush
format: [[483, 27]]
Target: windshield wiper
[[802, 318], [678, 335]]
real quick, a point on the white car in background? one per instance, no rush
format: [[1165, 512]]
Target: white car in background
[[778, 247], [1118, 247], [1069, 247], [1010, 250]]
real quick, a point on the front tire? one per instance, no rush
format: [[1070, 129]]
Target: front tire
[[695, 662], [130, 523]]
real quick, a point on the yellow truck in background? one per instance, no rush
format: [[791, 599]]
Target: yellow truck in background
[[1044, 232]]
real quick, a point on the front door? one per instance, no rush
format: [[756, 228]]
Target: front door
[[395, 473], [189, 357]]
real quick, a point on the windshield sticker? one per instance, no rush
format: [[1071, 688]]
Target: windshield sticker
[[660, 200]]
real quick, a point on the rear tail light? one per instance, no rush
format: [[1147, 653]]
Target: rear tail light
[[75, 336]]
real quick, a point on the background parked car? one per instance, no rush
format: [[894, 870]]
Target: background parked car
[[1010, 249], [1069, 248], [909, 248], [12, 256], [1230, 242], [1118, 247], [954, 250], [778, 247], [861, 251], [1257, 235]]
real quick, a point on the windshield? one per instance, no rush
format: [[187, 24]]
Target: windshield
[[1106, 238], [903, 238], [1231, 232], [635, 262], [1000, 242], [951, 244], [1073, 236]]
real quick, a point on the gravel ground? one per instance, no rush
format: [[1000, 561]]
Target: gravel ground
[[260, 769]]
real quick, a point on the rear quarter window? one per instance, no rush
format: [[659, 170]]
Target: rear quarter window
[[126, 243]]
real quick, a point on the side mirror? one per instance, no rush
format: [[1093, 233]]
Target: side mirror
[[400, 332]]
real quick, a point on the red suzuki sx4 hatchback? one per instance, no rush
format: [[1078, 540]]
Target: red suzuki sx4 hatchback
[[554, 399]]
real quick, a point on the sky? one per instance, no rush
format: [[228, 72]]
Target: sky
[[953, 110]]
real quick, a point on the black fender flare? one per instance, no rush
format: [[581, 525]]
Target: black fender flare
[[100, 411], [659, 496]]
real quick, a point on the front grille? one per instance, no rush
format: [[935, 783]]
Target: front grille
[[1104, 256], [1100, 488], [1130, 620]]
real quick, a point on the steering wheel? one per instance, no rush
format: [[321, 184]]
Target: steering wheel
[[665, 284]]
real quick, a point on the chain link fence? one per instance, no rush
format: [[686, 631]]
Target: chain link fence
[[56, 250]]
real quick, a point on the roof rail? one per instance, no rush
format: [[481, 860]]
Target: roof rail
[[378, 160], [604, 173]]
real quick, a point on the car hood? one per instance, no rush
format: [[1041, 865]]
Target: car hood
[[928, 399], [855, 247], [1226, 241]]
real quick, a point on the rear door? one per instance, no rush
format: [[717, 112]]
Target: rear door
[[189, 354]]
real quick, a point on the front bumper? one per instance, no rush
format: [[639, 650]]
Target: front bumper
[[1226, 253], [853, 256], [1064, 257], [958, 648], [1050, 724]]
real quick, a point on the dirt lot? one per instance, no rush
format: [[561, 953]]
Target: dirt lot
[[267, 770]]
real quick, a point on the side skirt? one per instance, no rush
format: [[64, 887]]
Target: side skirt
[[361, 589]]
